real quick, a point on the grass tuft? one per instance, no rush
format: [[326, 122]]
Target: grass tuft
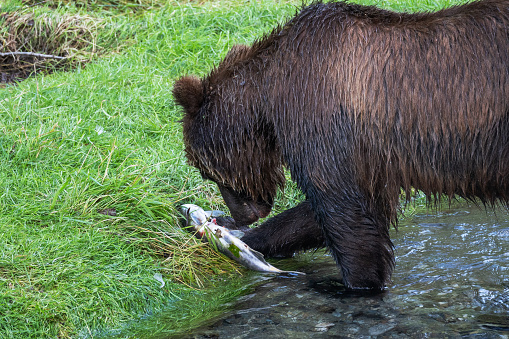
[[35, 39], [47, 41]]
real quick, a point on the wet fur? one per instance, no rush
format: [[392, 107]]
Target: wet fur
[[359, 103]]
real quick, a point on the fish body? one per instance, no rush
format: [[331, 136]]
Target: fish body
[[226, 241]]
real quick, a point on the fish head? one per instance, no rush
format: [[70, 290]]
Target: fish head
[[195, 215]]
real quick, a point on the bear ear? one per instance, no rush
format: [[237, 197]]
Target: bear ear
[[188, 93]]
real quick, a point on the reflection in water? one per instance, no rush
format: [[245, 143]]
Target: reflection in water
[[451, 280]]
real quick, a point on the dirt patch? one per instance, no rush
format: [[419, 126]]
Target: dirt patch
[[31, 43]]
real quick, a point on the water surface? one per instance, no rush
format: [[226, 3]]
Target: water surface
[[451, 280]]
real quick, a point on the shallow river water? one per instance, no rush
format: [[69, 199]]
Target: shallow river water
[[451, 280]]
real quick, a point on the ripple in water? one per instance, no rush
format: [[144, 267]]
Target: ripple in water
[[451, 280]]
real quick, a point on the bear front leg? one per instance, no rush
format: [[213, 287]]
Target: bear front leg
[[289, 232], [357, 235]]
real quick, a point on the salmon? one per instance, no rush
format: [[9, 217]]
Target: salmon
[[225, 240]]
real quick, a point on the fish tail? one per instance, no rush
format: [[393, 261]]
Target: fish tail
[[273, 269]]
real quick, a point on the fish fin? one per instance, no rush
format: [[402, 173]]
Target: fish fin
[[237, 233], [258, 256], [215, 213]]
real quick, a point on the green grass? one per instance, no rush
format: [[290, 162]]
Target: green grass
[[107, 137]]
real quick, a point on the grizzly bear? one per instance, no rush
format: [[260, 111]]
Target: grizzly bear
[[359, 104]]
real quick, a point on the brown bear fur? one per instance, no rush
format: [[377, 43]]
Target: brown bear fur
[[358, 103]]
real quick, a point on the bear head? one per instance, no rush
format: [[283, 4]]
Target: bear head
[[221, 148]]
